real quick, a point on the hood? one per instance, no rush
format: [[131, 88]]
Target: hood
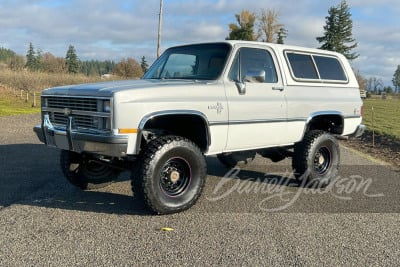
[[106, 89]]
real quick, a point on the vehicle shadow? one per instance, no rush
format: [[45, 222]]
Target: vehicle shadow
[[30, 175], [271, 174]]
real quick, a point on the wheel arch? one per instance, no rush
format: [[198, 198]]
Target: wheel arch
[[328, 121], [191, 124]]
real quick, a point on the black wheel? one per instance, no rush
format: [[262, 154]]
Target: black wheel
[[233, 159], [85, 173], [169, 175], [316, 159]]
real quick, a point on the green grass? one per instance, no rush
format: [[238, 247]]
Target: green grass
[[13, 105], [385, 116]]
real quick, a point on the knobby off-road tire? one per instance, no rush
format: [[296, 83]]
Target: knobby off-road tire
[[85, 173], [233, 159], [316, 159], [169, 175]]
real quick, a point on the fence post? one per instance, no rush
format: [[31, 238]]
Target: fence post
[[373, 129], [34, 99]]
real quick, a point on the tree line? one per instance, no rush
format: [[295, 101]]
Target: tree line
[[36, 60]]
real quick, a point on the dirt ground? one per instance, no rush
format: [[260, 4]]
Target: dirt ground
[[384, 148]]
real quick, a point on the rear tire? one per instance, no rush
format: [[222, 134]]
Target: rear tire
[[316, 159], [169, 175], [85, 173]]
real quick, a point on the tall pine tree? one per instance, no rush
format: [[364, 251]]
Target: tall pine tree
[[338, 32], [144, 64], [71, 60], [31, 62], [282, 34]]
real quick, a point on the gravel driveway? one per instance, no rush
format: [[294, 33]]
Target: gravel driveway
[[255, 216]]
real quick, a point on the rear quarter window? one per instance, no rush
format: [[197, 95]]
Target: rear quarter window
[[317, 68], [329, 68]]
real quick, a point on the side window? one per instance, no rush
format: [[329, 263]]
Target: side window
[[329, 68], [251, 61], [302, 66], [315, 67]]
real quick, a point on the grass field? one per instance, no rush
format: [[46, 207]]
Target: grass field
[[13, 83], [13, 105], [382, 116]]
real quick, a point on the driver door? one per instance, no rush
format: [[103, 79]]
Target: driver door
[[256, 97]]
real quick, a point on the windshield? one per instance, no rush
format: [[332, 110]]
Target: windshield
[[198, 62]]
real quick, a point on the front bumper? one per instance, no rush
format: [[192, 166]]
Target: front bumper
[[68, 139]]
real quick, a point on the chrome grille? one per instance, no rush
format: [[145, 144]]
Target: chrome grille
[[80, 121], [87, 104], [87, 113]]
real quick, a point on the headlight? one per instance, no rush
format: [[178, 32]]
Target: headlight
[[107, 106]]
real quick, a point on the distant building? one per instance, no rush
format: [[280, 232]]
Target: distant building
[[106, 76]]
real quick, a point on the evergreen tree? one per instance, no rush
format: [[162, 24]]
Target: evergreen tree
[[338, 31], [72, 60], [144, 64], [244, 29], [39, 60], [31, 63], [282, 34], [6, 54], [396, 80]]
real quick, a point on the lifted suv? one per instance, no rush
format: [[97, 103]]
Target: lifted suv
[[232, 99]]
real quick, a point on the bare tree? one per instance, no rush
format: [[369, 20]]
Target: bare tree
[[269, 26], [128, 68], [362, 81], [375, 85]]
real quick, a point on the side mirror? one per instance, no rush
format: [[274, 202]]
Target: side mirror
[[255, 76], [241, 86]]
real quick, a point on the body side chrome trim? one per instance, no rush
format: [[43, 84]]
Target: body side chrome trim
[[238, 122]]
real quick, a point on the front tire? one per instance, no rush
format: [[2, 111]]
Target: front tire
[[316, 159], [85, 173], [170, 175]]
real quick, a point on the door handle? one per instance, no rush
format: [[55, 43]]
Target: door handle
[[278, 88]]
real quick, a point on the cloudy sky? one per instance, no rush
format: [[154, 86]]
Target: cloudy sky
[[117, 29]]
